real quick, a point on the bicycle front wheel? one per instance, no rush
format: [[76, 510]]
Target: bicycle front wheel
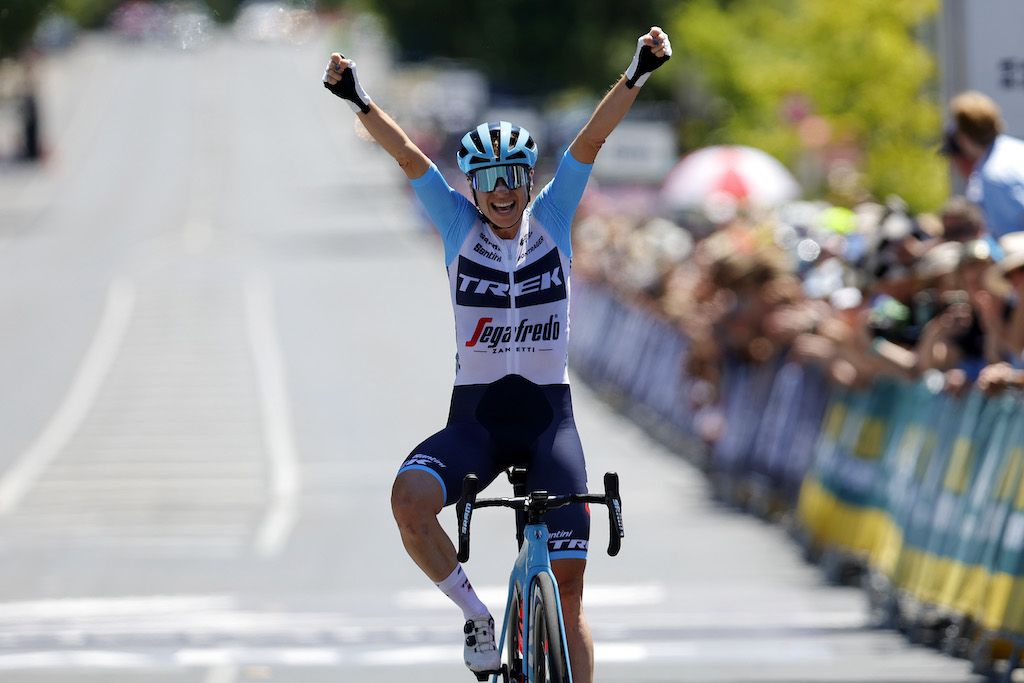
[[547, 658]]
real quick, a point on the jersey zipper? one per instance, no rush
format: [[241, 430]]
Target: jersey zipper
[[512, 253]]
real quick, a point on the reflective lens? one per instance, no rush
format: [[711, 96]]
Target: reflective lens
[[486, 179]]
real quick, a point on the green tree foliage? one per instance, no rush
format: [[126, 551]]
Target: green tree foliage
[[88, 13], [223, 10], [855, 68], [527, 47], [18, 20]]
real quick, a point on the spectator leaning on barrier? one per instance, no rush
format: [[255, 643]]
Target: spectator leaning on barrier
[[1011, 270], [998, 377], [962, 221], [996, 181], [965, 317]]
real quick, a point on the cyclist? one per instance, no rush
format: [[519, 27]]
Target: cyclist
[[508, 265]]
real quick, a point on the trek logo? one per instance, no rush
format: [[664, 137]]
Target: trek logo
[[541, 282], [568, 544], [525, 331]]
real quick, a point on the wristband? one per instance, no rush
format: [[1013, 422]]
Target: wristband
[[349, 89], [644, 62]]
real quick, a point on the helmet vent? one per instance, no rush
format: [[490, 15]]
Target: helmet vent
[[496, 143], [477, 142]]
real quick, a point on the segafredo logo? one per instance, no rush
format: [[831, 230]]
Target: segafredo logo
[[540, 282], [526, 331]]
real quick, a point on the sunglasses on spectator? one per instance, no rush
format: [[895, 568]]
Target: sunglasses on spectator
[[486, 179]]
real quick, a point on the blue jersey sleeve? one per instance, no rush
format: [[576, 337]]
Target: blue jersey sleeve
[[452, 214], [556, 204]]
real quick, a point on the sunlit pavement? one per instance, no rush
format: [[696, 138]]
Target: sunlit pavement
[[223, 328]]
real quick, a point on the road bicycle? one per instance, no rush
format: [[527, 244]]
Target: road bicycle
[[533, 631]]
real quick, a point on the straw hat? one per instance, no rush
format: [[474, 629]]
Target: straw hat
[[942, 259], [1013, 248], [995, 279]]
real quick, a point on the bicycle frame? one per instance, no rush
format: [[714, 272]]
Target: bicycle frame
[[533, 559]]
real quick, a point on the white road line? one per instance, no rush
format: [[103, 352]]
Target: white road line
[[197, 235], [224, 664], [122, 606], [76, 659], [277, 422], [598, 595], [96, 364], [227, 673], [235, 656]]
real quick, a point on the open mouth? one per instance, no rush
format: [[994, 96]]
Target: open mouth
[[503, 209]]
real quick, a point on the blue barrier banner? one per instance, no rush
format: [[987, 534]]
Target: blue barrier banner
[[904, 466], [973, 433], [784, 445], [941, 439], [927, 488], [746, 391], [1003, 608], [967, 574]]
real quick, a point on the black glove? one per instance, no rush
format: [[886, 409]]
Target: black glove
[[348, 88], [644, 62]]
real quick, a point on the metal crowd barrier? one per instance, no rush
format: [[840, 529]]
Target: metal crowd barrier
[[921, 491]]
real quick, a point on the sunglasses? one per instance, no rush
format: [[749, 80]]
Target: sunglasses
[[486, 179]]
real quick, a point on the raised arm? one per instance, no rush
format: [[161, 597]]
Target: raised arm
[[652, 50], [341, 79]]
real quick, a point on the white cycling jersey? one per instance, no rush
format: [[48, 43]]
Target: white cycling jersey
[[510, 297]]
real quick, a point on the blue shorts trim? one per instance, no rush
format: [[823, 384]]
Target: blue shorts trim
[[444, 489], [568, 554]]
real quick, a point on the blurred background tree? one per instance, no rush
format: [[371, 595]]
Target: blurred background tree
[[223, 10], [87, 13], [844, 93], [823, 86], [18, 21], [526, 47]]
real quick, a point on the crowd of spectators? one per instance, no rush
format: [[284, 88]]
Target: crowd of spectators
[[862, 292]]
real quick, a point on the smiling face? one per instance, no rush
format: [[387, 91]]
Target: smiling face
[[503, 208]]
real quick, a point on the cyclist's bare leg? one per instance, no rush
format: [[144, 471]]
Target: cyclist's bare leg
[[416, 500], [569, 574]]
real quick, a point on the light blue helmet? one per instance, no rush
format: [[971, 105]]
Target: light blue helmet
[[515, 146]]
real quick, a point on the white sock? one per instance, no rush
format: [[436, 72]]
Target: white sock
[[460, 590]]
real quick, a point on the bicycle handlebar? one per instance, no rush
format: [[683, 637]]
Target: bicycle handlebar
[[536, 504]]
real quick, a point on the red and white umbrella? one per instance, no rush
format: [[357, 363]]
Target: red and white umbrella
[[744, 174]]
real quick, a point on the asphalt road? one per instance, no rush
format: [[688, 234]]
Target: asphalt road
[[221, 328]]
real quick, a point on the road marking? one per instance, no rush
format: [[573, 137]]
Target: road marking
[[227, 673], [224, 664], [92, 372], [75, 659], [277, 421], [209, 614], [231, 657], [142, 605], [198, 235], [598, 595]]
